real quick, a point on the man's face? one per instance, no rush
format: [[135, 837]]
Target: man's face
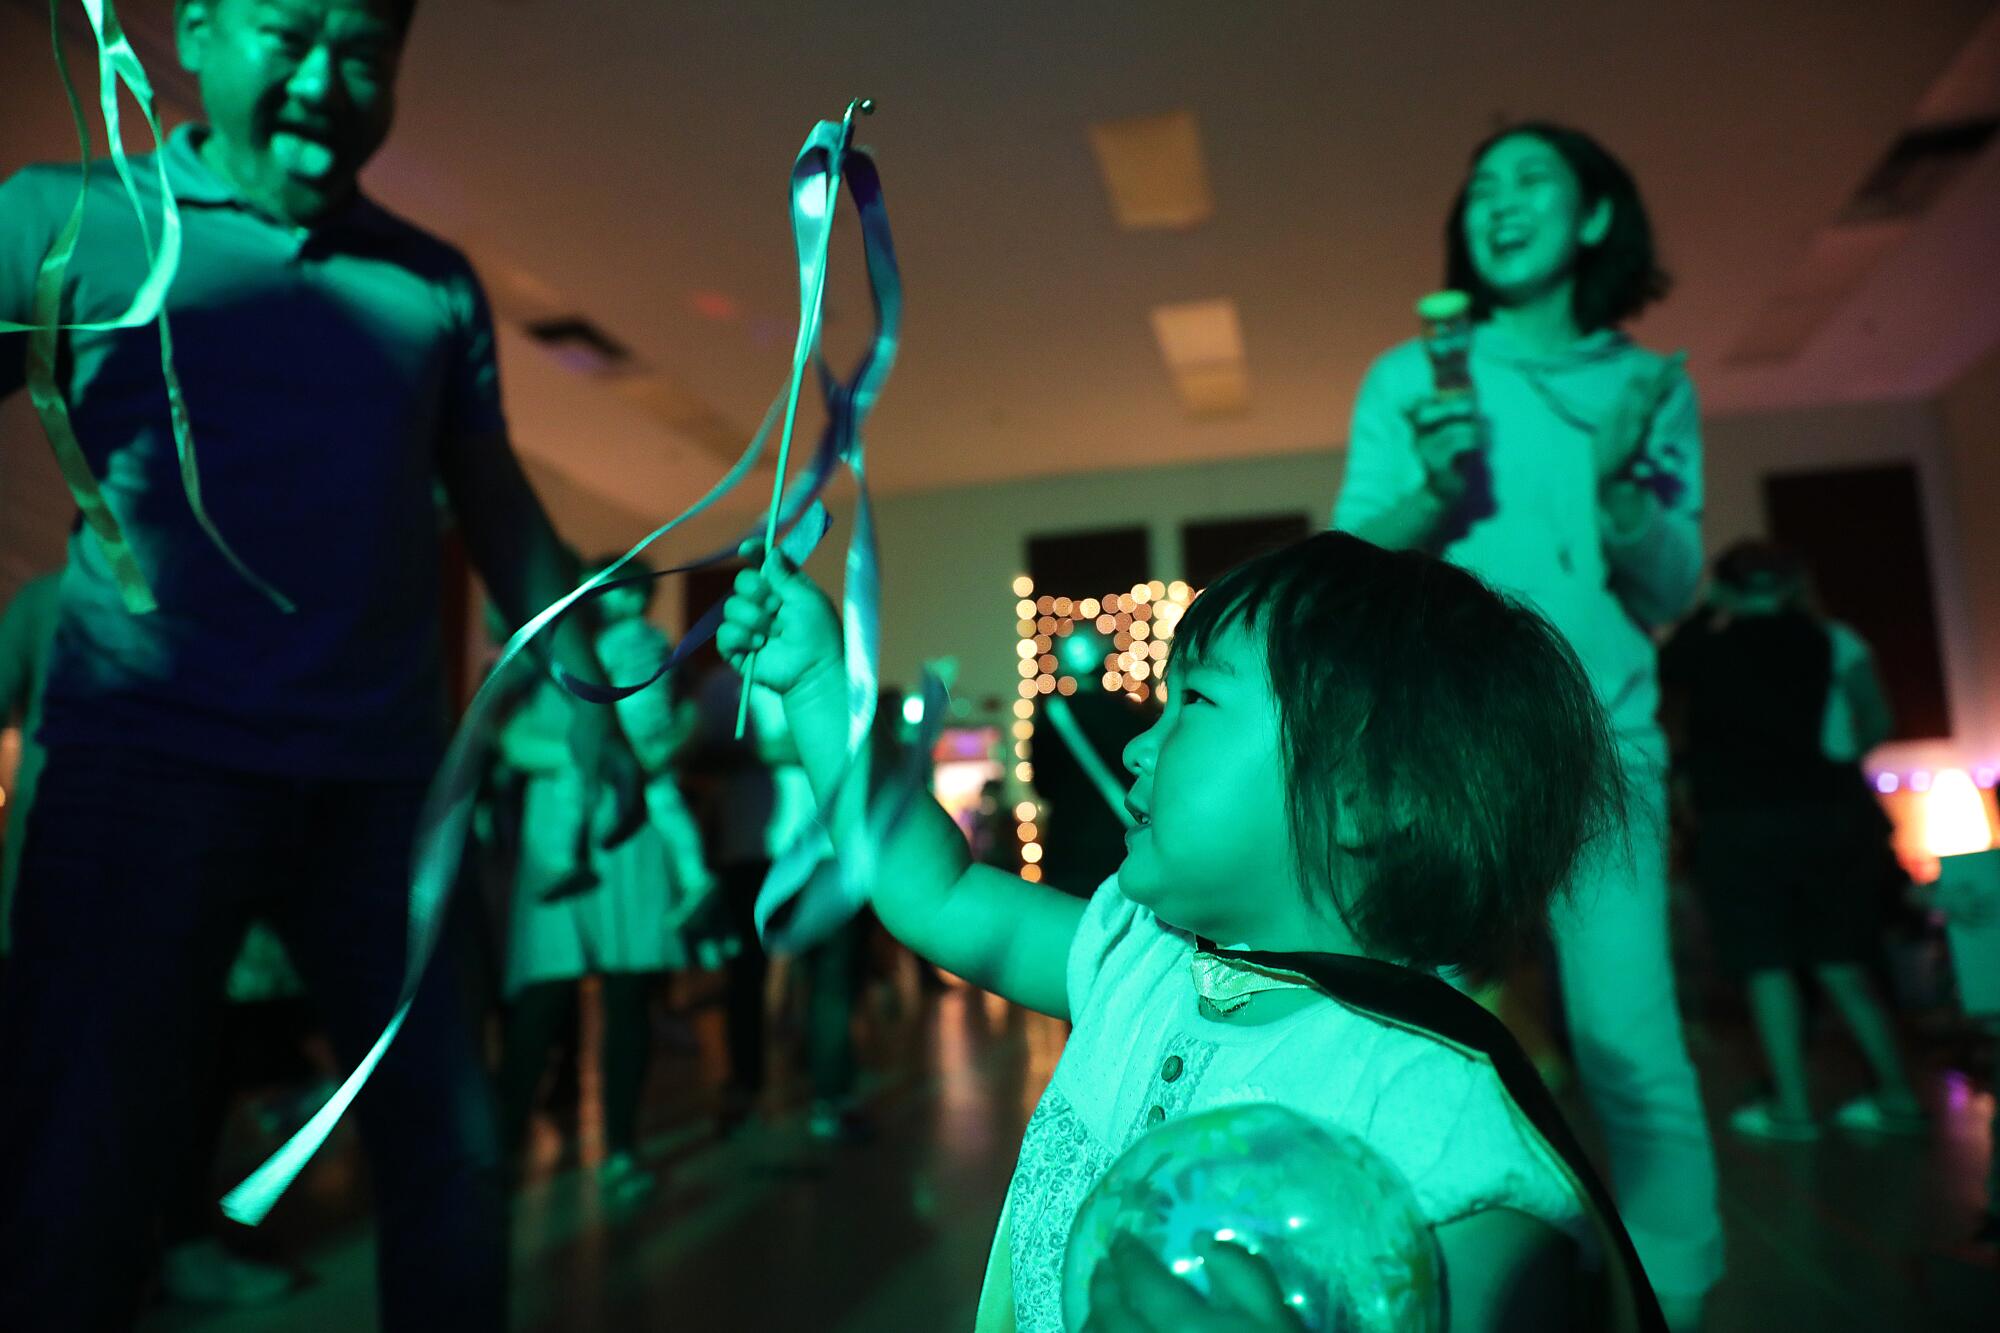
[[299, 94]]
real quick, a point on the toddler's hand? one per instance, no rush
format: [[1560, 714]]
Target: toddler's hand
[[782, 617]]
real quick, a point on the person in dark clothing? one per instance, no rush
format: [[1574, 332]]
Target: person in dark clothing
[[1791, 850]]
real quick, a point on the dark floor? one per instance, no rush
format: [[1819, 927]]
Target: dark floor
[[769, 1231]]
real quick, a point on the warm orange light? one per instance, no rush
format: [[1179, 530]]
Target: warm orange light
[[1033, 874], [1953, 815]]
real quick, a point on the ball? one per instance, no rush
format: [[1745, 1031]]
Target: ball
[[1335, 1221]]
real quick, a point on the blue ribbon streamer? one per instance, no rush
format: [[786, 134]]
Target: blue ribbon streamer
[[446, 817]]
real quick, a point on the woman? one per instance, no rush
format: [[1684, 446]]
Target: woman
[[581, 909], [1569, 475]]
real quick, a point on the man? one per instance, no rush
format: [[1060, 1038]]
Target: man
[[218, 756]]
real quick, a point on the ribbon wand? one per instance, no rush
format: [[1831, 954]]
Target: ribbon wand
[[809, 329]]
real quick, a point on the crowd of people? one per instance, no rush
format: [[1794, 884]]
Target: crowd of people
[[1393, 758]]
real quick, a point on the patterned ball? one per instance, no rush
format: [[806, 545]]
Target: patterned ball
[[1337, 1224]]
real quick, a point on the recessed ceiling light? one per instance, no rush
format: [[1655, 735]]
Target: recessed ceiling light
[[1153, 170]]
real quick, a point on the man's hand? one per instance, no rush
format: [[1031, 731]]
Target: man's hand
[[1133, 1292], [1624, 428], [1446, 431]]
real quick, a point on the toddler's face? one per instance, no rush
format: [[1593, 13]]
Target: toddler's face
[[1213, 852]]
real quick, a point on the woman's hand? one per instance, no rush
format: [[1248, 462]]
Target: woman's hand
[[780, 616], [1446, 431], [1133, 1292], [1622, 432]]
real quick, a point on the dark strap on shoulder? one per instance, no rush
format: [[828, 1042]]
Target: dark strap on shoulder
[[1419, 1000]]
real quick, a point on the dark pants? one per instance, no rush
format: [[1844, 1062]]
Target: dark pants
[[535, 1026], [258, 1044], [140, 873], [834, 977]]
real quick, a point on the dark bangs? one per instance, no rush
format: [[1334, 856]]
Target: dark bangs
[[1446, 761]]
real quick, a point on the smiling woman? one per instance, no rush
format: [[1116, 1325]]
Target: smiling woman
[[1566, 470]]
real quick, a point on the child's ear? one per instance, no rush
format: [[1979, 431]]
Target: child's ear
[[1597, 225]]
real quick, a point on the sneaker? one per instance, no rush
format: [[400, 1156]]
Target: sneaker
[[203, 1272], [621, 1177], [1867, 1115], [1756, 1121]]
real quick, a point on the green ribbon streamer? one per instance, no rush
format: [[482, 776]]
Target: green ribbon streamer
[[447, 813], [117, 63]]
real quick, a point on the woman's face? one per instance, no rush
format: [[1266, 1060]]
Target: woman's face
[[1525, 220]]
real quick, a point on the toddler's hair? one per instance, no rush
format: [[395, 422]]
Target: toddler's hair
[[1446, 759]]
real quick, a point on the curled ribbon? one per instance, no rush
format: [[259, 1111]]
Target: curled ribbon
[[803, 520], [117, 63]]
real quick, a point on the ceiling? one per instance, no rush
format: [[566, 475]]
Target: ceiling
[[630, 161]]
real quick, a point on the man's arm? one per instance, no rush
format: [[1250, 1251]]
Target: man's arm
[[512, 544], [26, 229], [25, 629], [526, 567]]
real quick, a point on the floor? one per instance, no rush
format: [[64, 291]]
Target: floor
[[768, 1230]]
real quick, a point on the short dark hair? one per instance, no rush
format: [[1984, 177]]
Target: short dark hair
[[1762, 568], [402, 11], [1616, 278], [1446, 759]]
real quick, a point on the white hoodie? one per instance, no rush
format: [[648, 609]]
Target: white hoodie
[[1542, 541]]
